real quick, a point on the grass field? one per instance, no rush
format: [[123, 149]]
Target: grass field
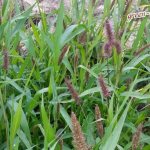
[[81, 81]]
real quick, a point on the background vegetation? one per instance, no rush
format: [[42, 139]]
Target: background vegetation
[[46, 76]]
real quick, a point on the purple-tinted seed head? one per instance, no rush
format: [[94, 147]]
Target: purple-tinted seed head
[[99, 123], [117, 45], [109, 31], [62, 54], [107, 50], [136, 137], [73, 92], [104, 88], [79, 141], [5, 60]]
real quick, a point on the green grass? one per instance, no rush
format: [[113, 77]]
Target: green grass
[[35, 104]]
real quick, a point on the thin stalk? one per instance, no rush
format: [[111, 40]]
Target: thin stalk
[[107, 71], [117, 66]]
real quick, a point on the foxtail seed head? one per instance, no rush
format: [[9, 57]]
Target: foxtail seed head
[[78, 137], [103, 86], [117, 45], [98, 121], [5, 60], [136, 137], [109, 31], [73, 92], [62, 54], [107, 50]]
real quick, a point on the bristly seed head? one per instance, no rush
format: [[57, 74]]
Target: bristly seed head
[[112, 42], [98, 121], [73, 92], [107, 50], [136, 137], [109, 31], [117, 45], [103, 86], [5, 60], [62, 54], [78, 137], [83, 38]]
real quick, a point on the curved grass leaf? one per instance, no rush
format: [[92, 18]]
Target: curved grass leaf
[[113, 138], [15, 124], [49, 132]]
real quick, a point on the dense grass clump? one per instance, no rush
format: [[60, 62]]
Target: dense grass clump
[[81, 81]]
